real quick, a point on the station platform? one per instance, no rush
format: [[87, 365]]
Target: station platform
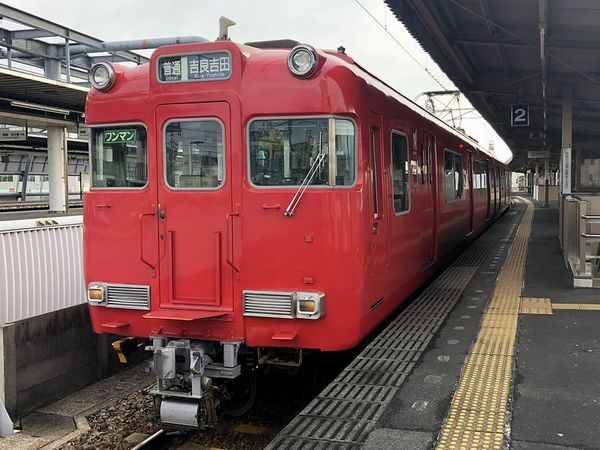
[[498, 352]]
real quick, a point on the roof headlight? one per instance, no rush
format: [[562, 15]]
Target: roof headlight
[[102, 76], [303, 60]]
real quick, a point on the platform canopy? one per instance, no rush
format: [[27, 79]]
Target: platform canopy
[[504, 54]]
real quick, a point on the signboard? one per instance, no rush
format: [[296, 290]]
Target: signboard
[[83, 132], [545, 154], [519, 115], [13, 134], [565, 170], [210, 66], [128, 136]]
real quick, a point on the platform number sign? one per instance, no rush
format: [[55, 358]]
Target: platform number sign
[[519, 116]]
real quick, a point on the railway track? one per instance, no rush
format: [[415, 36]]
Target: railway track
[[161, 440]]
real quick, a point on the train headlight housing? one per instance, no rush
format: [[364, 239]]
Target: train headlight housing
[[102, 76], [310, 305], [303, 60], [96, 294]]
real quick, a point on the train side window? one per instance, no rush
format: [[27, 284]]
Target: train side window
[[453, 176], [423, 163], [429, 162], [400, 173], [480, 176], [345, 169], [194, 154], [374, 133]]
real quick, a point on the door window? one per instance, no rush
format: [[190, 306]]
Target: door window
[[453, 176], [194, 154]]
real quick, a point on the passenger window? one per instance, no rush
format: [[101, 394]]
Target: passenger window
[[453, 176], [400, 173], [344, 152], [422, 164], [194, 154], [290, 152], [480, 181]]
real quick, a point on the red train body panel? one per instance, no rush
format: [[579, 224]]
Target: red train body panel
[[199, 250]]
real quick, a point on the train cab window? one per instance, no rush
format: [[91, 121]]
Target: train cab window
[[400, 173], [453, 176], [119, 157], [194, 154], [291, 152]]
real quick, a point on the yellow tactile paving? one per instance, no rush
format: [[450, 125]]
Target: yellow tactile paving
[[499, 321], [477, 414], [565, 305], [488, 421], [586, 307], [533, 305], [494, 345], [577, 306]]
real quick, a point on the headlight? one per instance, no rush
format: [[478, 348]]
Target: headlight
[[102, 76], [96, 293], [310, 305], [302, 60]]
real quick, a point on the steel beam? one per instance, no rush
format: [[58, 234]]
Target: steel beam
[[551, 44], [58, 30], [422, 8], [489, 23]]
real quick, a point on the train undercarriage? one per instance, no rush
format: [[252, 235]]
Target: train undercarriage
[[199, 381]]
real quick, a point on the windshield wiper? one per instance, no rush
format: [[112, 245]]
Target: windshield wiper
[[316, 165]]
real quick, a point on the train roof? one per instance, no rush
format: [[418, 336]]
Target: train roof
[[397, 95]]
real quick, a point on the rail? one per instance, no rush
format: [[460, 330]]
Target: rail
[[581, 235]]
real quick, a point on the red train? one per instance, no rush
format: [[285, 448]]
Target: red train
[[249, 204]]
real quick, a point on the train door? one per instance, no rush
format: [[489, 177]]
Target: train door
[[470, 186], [194, 207], [428, 235], [379, 235]]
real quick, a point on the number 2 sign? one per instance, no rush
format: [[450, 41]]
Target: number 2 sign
[[519, 115]]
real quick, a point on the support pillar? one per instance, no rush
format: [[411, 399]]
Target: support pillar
[[57, 170], [546, 182], [565, 153]]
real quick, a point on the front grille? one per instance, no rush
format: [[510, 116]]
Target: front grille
[[128, 296], [269, 304]]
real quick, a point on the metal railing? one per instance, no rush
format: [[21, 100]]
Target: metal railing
[[41, 266], [581, 235]]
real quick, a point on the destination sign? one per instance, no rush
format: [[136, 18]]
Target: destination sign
[[128, 136], [210, 66]]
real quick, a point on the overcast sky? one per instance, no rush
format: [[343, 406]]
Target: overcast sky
[[324, 24]]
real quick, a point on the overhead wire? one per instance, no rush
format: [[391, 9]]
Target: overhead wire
[[384, 28]]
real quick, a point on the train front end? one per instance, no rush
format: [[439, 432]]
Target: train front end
[[212, 227]]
